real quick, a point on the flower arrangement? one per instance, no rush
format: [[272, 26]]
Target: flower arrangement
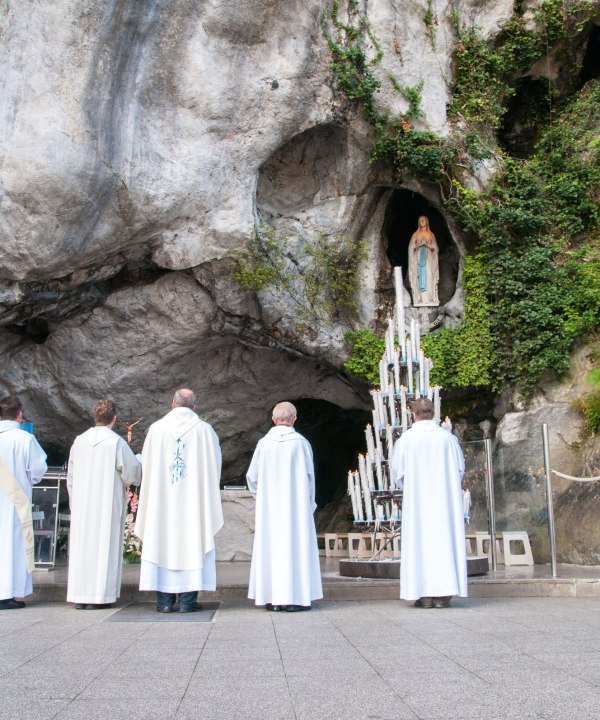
[[132, 545]]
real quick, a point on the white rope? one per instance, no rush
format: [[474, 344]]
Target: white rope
[[577, 479]]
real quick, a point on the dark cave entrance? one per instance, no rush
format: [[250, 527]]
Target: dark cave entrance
[[590, 66], [336, 436], [400, 222]]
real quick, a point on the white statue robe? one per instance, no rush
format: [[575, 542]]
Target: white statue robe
[[285, 558], [101, 466], [428, 464], [25, 459], [179, 512]]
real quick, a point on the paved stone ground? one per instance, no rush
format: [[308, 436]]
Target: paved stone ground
[[496, 658]]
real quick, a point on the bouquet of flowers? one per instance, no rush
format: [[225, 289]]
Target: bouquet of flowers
[[132, 545]]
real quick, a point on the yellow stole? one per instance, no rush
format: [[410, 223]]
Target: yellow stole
[[14, 492]]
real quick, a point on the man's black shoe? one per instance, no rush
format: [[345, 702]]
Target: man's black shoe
[[297, 608], [164, 609], [274, 608], [191, 608], [11, 604]]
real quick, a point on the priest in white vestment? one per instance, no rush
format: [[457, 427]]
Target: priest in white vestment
[[22, 465], [179, 512], [285, 572], [428, 464], [101, 467]]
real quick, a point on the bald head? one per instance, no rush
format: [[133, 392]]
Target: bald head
[[184, 398], [284, 413]]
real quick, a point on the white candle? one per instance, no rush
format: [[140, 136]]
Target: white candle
[[380, 483], [361, 482], [370, 477], [437, 406], [375, 420], [389, 441], [382, 376], [382, 410], [390, 333], [393, 414], [351, 493], [396, 374], [399, 286], [410, 376], [378, 442], [417, 339], [403, 407], [422, 372], [412, 339], [368, 506], [369, 437]]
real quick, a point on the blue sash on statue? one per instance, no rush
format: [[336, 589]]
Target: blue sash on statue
[[422, 268]]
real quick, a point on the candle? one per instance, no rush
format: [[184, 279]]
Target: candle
[[382, 410], [412, 353], [417, 339], [370, 479], [399, 287], [360, 481], [351, 493], [369, 437], [390, 333], [380, 483], [393, 414], [422, 372], [437, 407], [378, 442], [368, 506], [403, 407], [382, 376], [396, 374], [389, 441], [410, 376]]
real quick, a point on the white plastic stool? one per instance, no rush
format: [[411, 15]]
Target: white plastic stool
[[484, 547], [360, 545], [517, 558], [336, 545]]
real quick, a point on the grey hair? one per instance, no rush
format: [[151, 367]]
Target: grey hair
[[184, 398], [284, 412]]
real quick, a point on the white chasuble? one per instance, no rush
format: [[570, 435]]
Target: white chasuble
[[101, 466], [25, 460], [428, 464], [285, 558], [179, 511]]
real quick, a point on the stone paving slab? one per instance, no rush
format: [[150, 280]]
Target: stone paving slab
[[492, 659]]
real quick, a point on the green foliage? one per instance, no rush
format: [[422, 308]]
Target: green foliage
[[589, 405], [413, 94], [430, 21], [319, 274], [366, 349], [463, 357], [486, 69], [350, 64]]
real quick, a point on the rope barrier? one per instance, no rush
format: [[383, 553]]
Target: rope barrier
[[576, 479]]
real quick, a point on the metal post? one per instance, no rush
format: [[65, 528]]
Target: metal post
[[491, 507], [549, 498]]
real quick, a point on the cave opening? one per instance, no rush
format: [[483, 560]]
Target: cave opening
[[527, 110], [400, 222], [336, 436], [590, 66]]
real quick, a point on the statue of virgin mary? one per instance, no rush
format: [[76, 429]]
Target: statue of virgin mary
[[423, 266]]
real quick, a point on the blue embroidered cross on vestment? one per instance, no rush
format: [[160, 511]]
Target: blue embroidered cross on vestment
[[177, 467]]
